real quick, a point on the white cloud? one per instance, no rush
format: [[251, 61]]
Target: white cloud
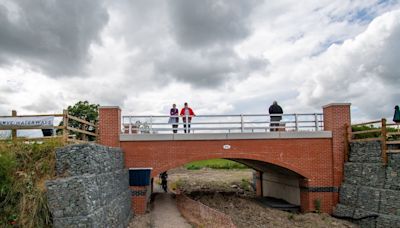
[[362, 70], [147, 54]]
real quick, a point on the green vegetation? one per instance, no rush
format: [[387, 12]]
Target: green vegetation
[[215, 164], [317, 205], [177, 184], [365, 135], [245, 185], [86, 111], [372, 134], [24, 168]]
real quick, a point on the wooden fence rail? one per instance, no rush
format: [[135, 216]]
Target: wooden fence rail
[[375, 130], [66, 129]]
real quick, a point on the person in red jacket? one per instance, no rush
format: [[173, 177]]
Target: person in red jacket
[[188, 113]]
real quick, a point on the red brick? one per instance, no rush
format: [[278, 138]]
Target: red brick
[[319, 161]]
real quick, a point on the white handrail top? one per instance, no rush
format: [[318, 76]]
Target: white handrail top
[[223, 115]]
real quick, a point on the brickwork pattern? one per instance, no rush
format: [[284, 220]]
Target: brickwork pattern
[[139, 199], [318, 161], [369, 188], [109, 126], [336, 117], [92, 188], [311, 158]]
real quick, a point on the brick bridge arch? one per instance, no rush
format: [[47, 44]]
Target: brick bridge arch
[[259, 159], [309, 156], [317, 157]]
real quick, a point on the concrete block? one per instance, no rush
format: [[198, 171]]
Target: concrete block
[[373, 175], [67, 197], [392, 180], [390, 202], [83, 159], [368, 222], [348, 194], [368, 199], [387, 221], [353, 173], [365, 152], [342, 210]]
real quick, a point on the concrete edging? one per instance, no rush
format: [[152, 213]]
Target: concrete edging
[[226, 136]]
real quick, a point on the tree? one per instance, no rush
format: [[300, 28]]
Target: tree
[[86, 111]]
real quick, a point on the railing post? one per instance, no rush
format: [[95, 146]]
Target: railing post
[[384, 146], [296, 122], [316, 121], [151, 124], [14, 131], [241, 122], [65, 126], [187, 123], [130, 125]]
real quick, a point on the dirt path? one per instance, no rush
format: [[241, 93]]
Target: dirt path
[[165, 213]]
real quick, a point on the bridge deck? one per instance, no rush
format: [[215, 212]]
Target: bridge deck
[[227, 136]]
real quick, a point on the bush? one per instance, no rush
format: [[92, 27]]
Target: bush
[[372, 134], [317, 205], [365, 135], [24, 168]]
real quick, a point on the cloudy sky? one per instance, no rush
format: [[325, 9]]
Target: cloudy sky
[[221, 56]]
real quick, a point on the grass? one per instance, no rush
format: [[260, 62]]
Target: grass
[[215, 164], [24, 168]]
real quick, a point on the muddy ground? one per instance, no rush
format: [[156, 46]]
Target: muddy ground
[[231, 192]]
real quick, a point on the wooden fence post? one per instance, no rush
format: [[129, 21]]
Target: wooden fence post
[[97, 132], [14, 131], [348, 140], [84, 136], [65, 125], [384, 146]]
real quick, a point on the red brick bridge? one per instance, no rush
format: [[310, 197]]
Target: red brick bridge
[[301, 161]]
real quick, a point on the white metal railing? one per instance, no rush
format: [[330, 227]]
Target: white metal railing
[[240, 123]]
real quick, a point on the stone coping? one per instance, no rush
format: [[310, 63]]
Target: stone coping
[[336, 104], [226, 136], [108, 107]]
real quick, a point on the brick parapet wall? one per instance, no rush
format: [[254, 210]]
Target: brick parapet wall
[[336, 117], [92, 188], [109, 126], [202, 215]]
